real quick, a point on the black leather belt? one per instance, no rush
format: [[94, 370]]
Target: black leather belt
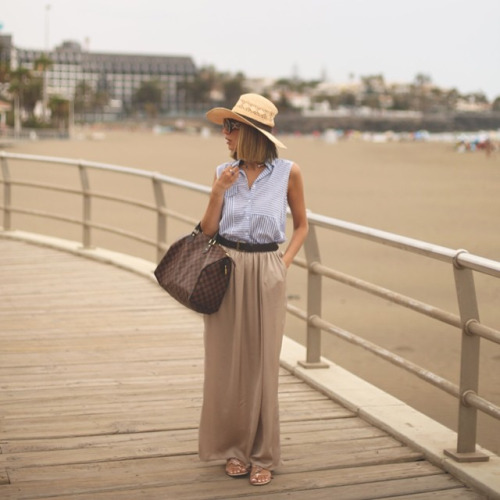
[[247, 247]]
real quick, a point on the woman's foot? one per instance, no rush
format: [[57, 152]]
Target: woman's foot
[[260, 476], [236, 468]]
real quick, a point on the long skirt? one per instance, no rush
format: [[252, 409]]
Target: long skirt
[[240, 414]]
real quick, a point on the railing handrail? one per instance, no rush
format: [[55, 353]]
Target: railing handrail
[[463, 264], [109, 167], [438, 252]]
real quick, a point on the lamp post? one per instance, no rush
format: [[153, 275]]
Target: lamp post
[[47, 10], [17, 117], [44, 69], [71, 118]]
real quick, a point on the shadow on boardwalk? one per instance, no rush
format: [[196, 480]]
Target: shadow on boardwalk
[[101, 377]]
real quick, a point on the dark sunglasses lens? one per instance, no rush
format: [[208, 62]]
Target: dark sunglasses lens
[[230, 125]]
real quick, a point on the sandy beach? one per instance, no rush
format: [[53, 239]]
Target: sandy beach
[[423, 190]]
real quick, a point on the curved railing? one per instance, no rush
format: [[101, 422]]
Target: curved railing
[[464, 266]]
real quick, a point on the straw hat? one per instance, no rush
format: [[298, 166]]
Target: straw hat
[[252, 109]]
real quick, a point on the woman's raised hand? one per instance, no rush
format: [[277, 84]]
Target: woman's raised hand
[[227, 178]]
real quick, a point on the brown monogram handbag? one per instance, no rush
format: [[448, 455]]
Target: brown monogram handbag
[[195, 271]]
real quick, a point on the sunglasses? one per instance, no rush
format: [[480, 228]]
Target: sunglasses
[[230, 125]]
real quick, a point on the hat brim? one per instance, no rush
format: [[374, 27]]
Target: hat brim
[[218, 115]]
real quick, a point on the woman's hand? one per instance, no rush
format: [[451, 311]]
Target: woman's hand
[[226, 179], [287, 261], [210, 221]]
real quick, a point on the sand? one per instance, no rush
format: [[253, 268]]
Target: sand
[[426, 191]]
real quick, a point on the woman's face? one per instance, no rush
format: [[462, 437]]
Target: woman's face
[[231, 131]]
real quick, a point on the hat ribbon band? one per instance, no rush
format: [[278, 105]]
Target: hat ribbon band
[[267, 128]]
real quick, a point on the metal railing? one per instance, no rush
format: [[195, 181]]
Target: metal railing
[[464, 265]]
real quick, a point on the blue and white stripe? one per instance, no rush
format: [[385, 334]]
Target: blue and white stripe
[[256, 214]]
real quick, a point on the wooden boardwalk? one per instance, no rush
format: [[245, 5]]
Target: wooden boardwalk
[[101, 377]]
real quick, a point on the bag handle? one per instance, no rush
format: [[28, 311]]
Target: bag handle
[[196, 230], [211, 242]]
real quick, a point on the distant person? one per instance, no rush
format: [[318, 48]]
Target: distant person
[[247, 208], [489, 147]]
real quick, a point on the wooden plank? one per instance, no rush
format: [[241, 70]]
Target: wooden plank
[[292, 434], [110, 402], [452, 494], [141, 421], [4, 478], [185, 442], [397, 488], [158, 480]]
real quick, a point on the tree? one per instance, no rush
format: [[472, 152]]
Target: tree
[[332, 100], [496, 104], [373, 84], [477, 98], [147, 98], [42, 64], [347, 99], [451, 99], [284, 103], [401, 102], [197, 90], [59, 109], [421, 80], [32, 94], [233, 87], [4, 74], [295, 84], [420, 92], [83, 97], [100, 100], [4, 71], [19, 81], [371, 101]]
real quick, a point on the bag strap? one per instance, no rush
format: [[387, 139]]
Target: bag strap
[[196, 230], [211, 242]]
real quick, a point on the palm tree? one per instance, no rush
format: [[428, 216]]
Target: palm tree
[[59, 109], [42, 64], [421, 86], [83, 97], [19, 82]]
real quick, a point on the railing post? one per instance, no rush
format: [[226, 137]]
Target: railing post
[[7, 195], [469, 366], [87, 206], [314, 288], [161, 218]]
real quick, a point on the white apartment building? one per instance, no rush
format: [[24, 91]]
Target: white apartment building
[[120, 75]]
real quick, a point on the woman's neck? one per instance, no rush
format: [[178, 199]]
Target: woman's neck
[[251, 165]]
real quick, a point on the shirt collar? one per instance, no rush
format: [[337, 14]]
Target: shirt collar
[[269, 164]]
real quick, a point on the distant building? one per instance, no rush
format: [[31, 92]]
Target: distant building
[[119, 75]]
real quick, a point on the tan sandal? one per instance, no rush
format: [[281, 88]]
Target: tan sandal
[[260, 476], [236, 468]]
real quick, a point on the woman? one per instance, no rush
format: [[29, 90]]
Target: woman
[[247, 208]]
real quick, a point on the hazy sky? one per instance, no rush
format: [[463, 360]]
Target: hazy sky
[[455, 42]]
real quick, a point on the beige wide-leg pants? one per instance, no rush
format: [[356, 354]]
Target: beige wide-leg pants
[[240, 414]]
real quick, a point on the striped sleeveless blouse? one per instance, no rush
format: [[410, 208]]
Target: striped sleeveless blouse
[[256, 214]]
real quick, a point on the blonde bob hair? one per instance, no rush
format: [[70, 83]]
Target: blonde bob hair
[[254, 146]]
